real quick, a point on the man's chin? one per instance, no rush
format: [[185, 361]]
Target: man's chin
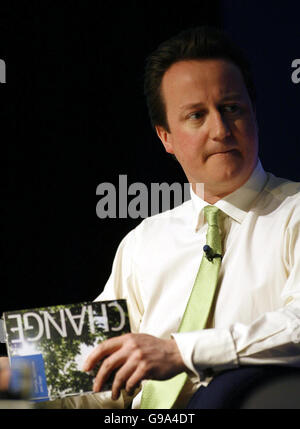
[[225, 166], [224, 180]]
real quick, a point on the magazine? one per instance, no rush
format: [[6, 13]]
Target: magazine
[[53, 343]]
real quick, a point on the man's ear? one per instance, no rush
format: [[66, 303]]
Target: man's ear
[[165, 137]]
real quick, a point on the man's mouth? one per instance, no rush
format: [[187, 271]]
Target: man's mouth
[[223, 152]]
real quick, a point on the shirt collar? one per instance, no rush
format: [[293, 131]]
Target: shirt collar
[[237, 204]]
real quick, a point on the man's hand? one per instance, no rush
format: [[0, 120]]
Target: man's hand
[[4, 373], [135, 357]]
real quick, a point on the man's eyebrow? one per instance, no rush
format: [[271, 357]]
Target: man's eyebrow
[[191, 106], [226, 97], [231, 96]]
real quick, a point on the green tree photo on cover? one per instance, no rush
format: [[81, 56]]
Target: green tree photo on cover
[[61, 353]]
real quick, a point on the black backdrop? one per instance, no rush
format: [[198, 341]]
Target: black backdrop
[[73, 116]]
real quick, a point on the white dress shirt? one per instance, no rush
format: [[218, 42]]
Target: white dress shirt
[[256, 319]]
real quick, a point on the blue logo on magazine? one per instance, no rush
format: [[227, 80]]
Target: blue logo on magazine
[[29, 370]]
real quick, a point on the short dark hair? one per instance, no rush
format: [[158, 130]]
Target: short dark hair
[[196, 43]]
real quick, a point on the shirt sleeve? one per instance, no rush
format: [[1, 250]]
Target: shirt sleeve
[[273, 338]]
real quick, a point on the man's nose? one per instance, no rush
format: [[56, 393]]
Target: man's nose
[[219, 127]]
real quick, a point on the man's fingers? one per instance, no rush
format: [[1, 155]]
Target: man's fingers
[[107, 367], [134, 380], [121, 378], [104, 349], [4, 373], [4, 362]]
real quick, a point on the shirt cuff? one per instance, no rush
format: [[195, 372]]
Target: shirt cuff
[[207, 351]]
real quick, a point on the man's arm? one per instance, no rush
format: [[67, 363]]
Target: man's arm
[[273, 338]]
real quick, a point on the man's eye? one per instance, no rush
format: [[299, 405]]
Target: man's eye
[[196, 115], [231, 108]]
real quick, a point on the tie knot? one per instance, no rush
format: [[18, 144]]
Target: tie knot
[[211, 214]]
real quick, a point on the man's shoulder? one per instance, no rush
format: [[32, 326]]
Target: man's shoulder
[[283, 197], [283, 189], [157, 226], [179, 214]]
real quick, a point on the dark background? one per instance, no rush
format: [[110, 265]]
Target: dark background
[[73, 116]]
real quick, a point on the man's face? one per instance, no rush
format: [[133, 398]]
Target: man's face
[[212, 125]]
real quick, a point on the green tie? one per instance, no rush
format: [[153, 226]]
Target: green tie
[[163, 394]]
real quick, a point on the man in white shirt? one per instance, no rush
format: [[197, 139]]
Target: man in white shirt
[[202, 104]]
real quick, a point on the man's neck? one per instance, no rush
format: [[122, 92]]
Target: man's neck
[[211, 196], [211, 193]]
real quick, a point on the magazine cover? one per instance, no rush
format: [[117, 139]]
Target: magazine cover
[[53, 343]]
